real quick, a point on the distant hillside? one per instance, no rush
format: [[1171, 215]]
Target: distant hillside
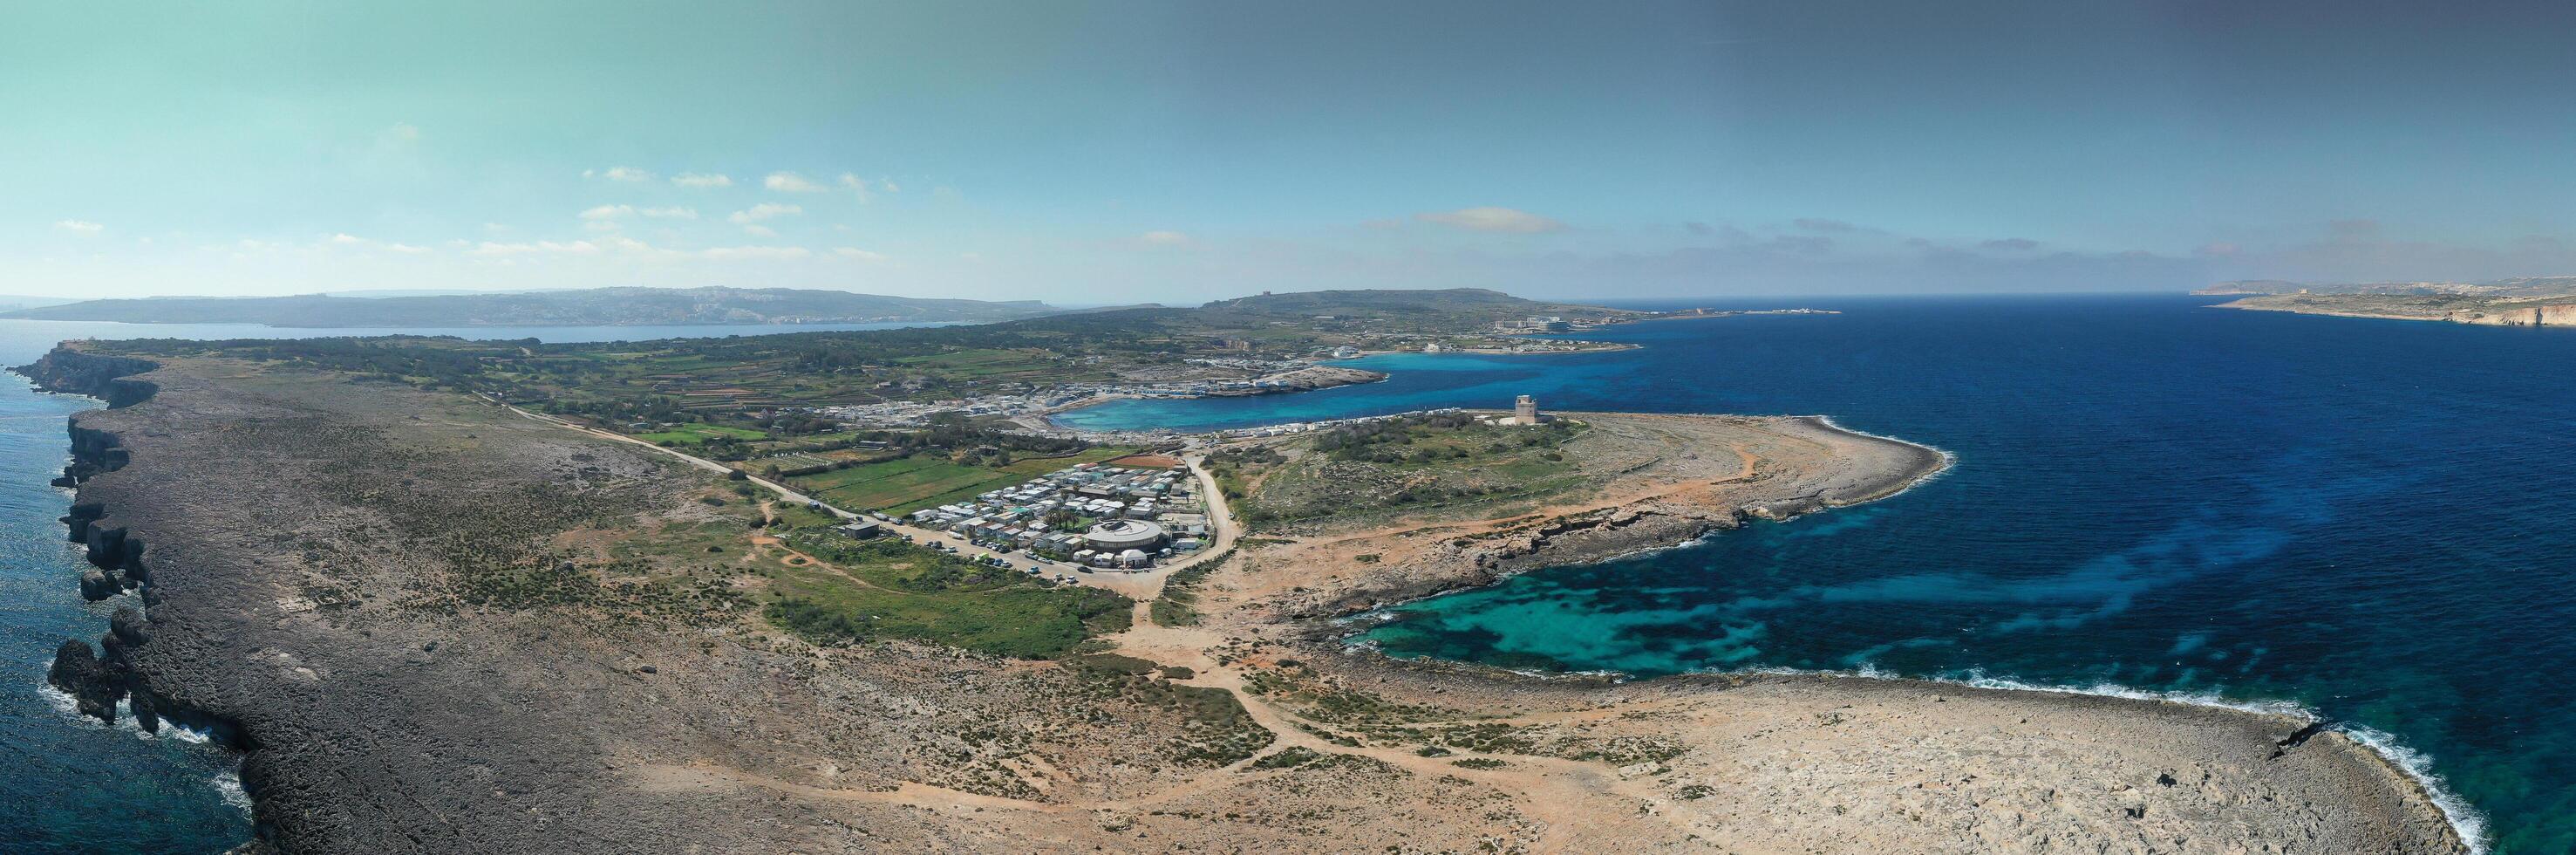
[[11, 302], [2524, 301], [1447, 311], [2519, 286], [591, 307]]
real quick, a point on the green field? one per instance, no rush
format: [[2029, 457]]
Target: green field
[[885, 589], [908, 484], [699, 434]]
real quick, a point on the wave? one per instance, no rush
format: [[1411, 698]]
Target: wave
[[229, 785], [64, 703], [1949, 460], [2465, 820], [69, 707]]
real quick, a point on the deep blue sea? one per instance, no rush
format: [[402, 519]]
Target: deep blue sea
[[2373, 519], [73, 785]]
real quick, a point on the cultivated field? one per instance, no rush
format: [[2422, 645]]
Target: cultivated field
[[907, 484]]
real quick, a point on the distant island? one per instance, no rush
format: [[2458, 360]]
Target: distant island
[[2529, 301], [586, 307]]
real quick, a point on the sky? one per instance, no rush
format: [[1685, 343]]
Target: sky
[[1090, 153]]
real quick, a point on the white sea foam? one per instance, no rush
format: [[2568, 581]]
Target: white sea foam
[[230, 786], [64, 703], [69, 707], [2471, 825], [187, 735], [1949, 461]]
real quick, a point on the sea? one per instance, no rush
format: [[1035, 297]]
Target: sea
[[2372, 520], [72, 784], [2369, 520]]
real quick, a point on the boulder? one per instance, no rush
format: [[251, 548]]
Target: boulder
[[95, 584], [78, 672]]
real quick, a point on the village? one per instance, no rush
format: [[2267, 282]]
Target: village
[[1092, 515], [1086, 518]]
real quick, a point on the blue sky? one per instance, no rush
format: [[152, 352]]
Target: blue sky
[[1177, 152]]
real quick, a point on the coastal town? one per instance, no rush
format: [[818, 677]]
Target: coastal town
[[1093, 516]]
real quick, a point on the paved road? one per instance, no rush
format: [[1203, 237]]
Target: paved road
[[1141, 585]]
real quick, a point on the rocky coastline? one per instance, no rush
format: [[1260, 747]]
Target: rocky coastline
[[106, 680], [275, 609]]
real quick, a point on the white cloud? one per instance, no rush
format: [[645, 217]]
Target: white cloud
[[670, 213], [1166, 238], [789, 182], [763, 211], [857, 253], [755, 252], [891, 188], [79, 226], [618, 173], [702, 180], [1504, 220], [579, 247], [760, 231], [608, 212], [350, 240], [856, 185]]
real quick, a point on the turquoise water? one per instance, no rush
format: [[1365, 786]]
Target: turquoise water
[[2368, 518], [74, 785]]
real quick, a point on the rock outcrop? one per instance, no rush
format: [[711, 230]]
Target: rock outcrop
[[79, 672], [107, 378]]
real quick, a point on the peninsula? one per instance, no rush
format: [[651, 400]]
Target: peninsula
[[2533, 301], [439, 619]]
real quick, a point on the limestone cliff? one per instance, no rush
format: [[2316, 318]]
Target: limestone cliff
[[2551, 315]]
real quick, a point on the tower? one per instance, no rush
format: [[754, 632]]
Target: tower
[[1525, 410]]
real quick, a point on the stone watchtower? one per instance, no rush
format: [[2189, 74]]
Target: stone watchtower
[[1525, 410]]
